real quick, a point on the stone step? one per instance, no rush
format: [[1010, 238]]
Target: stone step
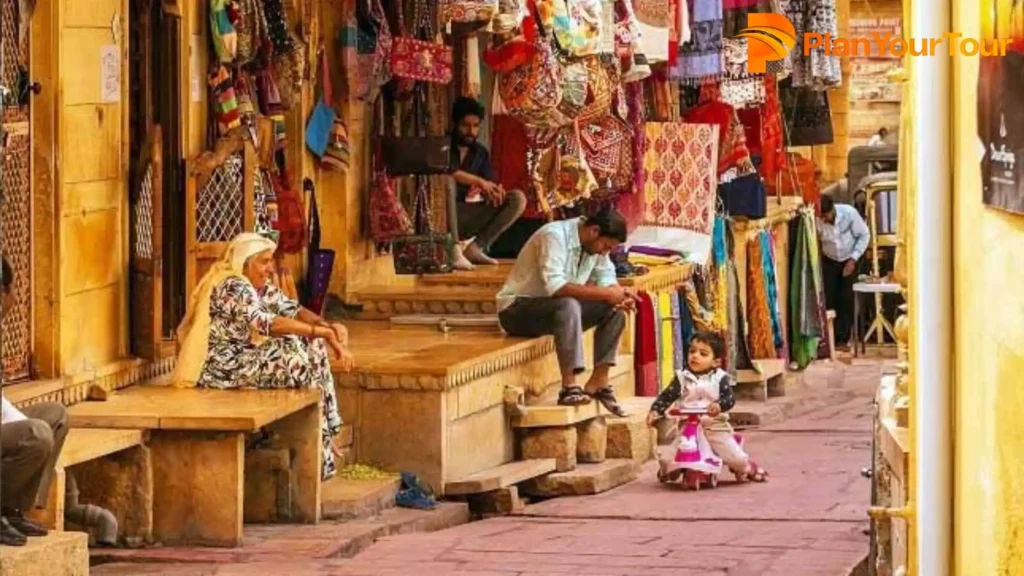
[[621, 378], [500, 477], [264, 544], [345, 498], [447, 322], [768, 383], [584, 480], [630, 437], [481, 276], [58, 554], [384, 302]]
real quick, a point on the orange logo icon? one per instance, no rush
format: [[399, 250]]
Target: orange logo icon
[[770, 38]]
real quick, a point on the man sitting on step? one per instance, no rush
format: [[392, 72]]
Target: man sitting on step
[[30, 443], [478, 207], [564, 283]]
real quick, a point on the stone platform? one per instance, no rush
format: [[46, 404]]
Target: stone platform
[[59, 554]]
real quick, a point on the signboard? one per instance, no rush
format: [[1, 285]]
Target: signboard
[[869, 75], [1001, 109]]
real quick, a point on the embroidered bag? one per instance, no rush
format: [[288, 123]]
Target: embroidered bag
[[252, 30], [508, 55], [468, 11], [321, 121], [422, 60], [608, 147], [533, 91], [291, 224], [388, 218], [600, 90]]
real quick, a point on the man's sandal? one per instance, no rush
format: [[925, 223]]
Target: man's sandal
[[606, 396], [573, 396]]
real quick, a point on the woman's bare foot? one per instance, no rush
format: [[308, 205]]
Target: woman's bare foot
[[475, 255]]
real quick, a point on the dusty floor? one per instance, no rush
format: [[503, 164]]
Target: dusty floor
[[809, 520]]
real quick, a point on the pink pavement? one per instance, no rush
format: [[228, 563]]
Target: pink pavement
[[808, 520]]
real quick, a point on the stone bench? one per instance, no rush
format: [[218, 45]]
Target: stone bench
[[197, 447], [113, 470]]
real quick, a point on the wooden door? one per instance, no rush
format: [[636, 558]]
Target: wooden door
[[147, 251], [219, 202], [16, 197]]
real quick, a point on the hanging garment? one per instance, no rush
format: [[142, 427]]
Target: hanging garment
[[740, 89], [771, 129], [645, 361], [816, 70], [807, 115], [654, 19], [772, 288], [759, 322], [666, 360], [732, 147], [679, 348], [686, 325], [807, 327], [679, 30], [680, 166], [702, 56], [659, 342]]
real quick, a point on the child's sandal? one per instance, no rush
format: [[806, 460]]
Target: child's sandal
[[756, 473]]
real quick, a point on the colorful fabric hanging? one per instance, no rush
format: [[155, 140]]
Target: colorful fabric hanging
[[679, 347], [680, 176], [807, 322], [735, 12], [732, 148], [807, 114], [666, 361], [759, 322], [645, 360], [817, 70], [739, 88], [702, 56], [771, 288]]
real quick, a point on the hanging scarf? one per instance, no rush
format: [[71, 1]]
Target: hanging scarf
[[679, 348], [735, 14], [194, 331], [817, 70], [759, 321], [806, 324], [772, 288], [732, 148], [740, 89], [646, 359], [666, 360], [702, 56]]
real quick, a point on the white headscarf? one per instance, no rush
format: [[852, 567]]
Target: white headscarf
[[194, 330]]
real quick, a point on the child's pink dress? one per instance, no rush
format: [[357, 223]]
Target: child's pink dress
[[692, 450]]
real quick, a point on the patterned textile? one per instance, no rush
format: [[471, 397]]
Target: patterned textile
[[732, 148], [233, 361], [666, 361], [679, 167], [608, 147], [645, 362], [702, 56], [659, 344], [561, 175], [509, 147], [816, 71], [740, 89], [734, 18], [575, 24], [771, 129], [759, 317]]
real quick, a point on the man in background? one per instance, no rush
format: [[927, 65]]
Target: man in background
[[844, 238], [478, 207], [30, 442]]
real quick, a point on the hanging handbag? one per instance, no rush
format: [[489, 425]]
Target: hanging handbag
[[425, 252], [421, 57], [507, 55], [533, 91], [608, 147], [388, 218], [291, 224], [321, 121], [417, 155], [468, 10], [319, 261]]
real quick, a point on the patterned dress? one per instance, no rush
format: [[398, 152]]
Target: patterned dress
[[233, 361]]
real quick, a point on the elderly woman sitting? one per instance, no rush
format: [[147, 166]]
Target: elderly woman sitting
[[241, 331]]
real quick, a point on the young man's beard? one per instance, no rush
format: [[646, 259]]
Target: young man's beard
[[466, 140]]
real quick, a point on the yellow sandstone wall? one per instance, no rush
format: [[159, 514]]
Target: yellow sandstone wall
[[989, 349], [92, 172]]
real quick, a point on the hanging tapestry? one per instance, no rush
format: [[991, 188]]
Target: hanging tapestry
[[680, 175], [701, 57], [732, 146]]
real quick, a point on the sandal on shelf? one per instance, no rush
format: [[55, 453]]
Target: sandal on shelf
[[606, 396], [573, 396]]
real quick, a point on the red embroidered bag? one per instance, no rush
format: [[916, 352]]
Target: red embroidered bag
[[421, 60]]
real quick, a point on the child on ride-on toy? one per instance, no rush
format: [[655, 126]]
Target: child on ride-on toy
[[702, 394]]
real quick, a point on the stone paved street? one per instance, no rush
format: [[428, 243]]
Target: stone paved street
[[809, 520]]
